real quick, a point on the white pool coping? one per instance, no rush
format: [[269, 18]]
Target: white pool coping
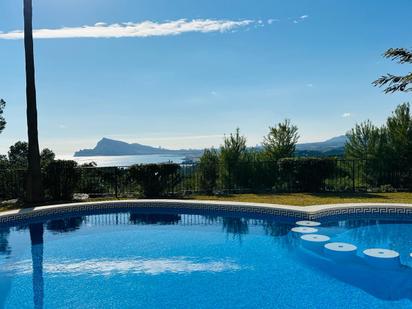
[[305, 212]]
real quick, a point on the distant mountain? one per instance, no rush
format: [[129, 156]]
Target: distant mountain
[[331, 147], [110, 147]]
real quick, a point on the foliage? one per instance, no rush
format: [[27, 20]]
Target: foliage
[[13, 169], [96, 181], [18, 154], [387, 151], [387, 189], [256, 172], [11, 181], [4, 162], [365, 141], [394, 83], [61, 178], [92, 179], [231, 157], [306, 174], [208, 169], [46, 157], [89, 164], [377, 159], [155, 179], [2, 120], [399, 151], [399, 133], [281, 141]]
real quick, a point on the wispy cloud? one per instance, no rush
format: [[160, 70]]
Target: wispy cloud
[[273, 20], [300, 19], [135, 30], [346, 115]]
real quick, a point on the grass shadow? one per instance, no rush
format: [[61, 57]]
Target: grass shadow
[[348, 195]]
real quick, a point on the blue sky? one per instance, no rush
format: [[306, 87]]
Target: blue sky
[[182, 73]]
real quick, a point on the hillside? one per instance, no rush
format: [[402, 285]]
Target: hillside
[[331, 147], [110, 147]]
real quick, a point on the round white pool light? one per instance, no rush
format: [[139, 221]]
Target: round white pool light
[[340, 249], [382, 257], [304, 230], [308, 223]]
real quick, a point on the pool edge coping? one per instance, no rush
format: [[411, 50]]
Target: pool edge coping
[[303, 212]]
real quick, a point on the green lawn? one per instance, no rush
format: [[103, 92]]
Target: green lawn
[[307, 199], [297, 199]]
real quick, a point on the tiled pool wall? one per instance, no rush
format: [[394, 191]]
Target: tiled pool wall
[[324, 213]]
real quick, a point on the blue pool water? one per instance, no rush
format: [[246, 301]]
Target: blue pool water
[[148, 260]]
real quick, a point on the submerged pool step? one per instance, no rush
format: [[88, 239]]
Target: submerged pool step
[[340, 249], [308, 223], [316, 238], [304, 230], [314, 241], [382, 257]]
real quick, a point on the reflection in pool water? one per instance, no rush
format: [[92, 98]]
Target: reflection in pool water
[[133, 265], [206, 261]]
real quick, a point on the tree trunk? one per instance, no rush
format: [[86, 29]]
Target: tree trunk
[[34, 192]]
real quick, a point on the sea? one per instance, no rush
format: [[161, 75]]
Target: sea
[[106, 161]]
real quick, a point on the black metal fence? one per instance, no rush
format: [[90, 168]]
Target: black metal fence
[[342, 176]]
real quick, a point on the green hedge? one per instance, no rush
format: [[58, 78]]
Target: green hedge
[[208, 170], [305, 174], [155, 180], [61, 179]]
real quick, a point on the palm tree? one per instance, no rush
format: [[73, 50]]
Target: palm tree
[[34, 181]]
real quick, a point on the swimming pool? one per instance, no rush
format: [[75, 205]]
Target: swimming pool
[[174, 258]]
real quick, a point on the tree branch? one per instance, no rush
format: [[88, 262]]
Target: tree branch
[[401, 55]]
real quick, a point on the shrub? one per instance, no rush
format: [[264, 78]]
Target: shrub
[[306, 174], [258, 173], [281, 141], [98, 181], [91, 181], [60, 179], [232, 153], [387, 188], [209, 170], [155, 179]]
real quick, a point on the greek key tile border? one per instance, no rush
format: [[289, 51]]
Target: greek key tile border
[[324, 213]]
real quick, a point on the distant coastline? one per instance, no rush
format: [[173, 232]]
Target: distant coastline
[[112, 148], [125, 160]]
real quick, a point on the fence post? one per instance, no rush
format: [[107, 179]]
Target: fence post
[[116, 183], [353, 176]]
